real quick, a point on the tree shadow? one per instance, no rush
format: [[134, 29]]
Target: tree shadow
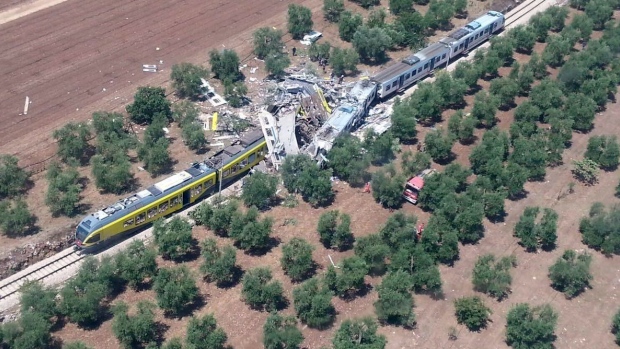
[[273, 242], [361, 293], [237, 274], [517, 197], [498, 218], [190, 255], [105, 314], [160, 332], [473, 90]]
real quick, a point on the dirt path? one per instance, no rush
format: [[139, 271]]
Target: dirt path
[[15, 9]]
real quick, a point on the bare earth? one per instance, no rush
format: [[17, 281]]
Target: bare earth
[[64, 56]]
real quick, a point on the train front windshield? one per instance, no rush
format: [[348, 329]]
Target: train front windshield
[[81, 234]]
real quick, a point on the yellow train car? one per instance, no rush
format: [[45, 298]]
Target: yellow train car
[[173, 193]]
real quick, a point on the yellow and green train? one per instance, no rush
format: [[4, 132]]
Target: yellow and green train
[[173, 193]]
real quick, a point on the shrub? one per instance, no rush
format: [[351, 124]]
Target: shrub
[[203, 333], [173, 239], [604, 151], [333, 234], [493, 278], [570, 273], [472, 312], [313, 304], [259, 189], [260, 292], [219, 263], [175, 289], [281, 332], [297, 260], [586, 171], [136, 330], [358, 333], [531, 327], [186, 79]]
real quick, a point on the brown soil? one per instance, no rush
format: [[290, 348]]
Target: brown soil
[[583, 322]]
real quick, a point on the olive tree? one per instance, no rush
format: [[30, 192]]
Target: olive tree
[[175, 290], [259, 190], [299, 20], [570, 273], [313, 304], [219, 264], [260, 292], [529, 327], [297, 260], [186, 79], [472, 312], [148, 102], [280, 332]]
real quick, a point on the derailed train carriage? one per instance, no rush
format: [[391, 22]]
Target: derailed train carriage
[[403, 74], [173, 193]]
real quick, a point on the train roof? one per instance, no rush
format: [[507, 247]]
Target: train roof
[[390, 72], [484, 20], [172, 183], [431, 51]]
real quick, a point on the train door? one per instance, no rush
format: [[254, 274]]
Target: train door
[[433, 63], [467, 44], [401, 81], [186, 197]]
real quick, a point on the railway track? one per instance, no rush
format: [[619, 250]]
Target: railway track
[[41, 270], [522, 10]]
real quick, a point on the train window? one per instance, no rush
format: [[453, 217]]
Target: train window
[[419, 70], [443, 56], [394, 84], [152, 212], [252, 157], [175, 201], [244, 162], [209, 183], [140, 218], [227, 173], [128, 222], [407, 76], [426, 66], [94, 238], [163, 207]]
